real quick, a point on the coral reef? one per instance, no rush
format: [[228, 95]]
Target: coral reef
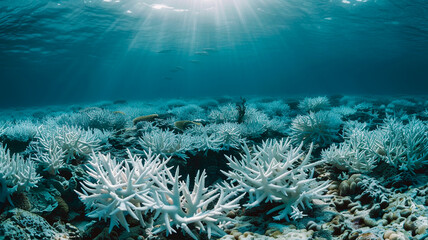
[[321, 128], [120, 187], [133, 188], [332, 167], [315, 104], [272, 173], [16, 173]]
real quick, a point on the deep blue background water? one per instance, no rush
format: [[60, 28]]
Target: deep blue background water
[[72, 51]]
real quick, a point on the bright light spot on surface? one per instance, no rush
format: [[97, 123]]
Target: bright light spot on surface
[[161, 6], [353, 2], [129, 11]]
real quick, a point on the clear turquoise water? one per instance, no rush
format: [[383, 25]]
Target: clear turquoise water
[[73, 51]]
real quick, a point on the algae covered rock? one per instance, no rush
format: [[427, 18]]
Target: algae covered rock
[[147, 118], [21, 224], [184, 124]]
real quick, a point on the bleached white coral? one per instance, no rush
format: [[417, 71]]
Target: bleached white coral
[[231, 135], [226, 113], [275, 172], [2, 128], [133, 110], [120, 186], [22, 131], [18, 174], [279, 124], [350, 157], [54, 143], [253, 129], [404, 146], [50, 156], [133, 187], [206, 140], [357, 152], [215, 137], [176, 205], [188, 112], [275, 108], [321, 128], [101, 135], [166, 143], [76, 141], [344, 110], [254, 123], [314, 104], [95, 118], [104, 119]]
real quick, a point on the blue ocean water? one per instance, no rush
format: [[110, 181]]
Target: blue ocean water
[[74, 51], [212, 119]]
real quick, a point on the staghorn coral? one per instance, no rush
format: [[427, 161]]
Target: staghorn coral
[[320, 128], [2, 128], [166, 143], [226, 113], [216, 137], [119, 187], [50, 156], [275, 172], [95, 118], [403, 146], [22, 130], [255, 123], [16, 173], [278, 124], [132, 187], [231, 135], [252, 124], [315, 104], [105, 119], [357, 153], [188, 112], [54, 146], [344, 111], [74, 141], [176, 205], [205, 138]]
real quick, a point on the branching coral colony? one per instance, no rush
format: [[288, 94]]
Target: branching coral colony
[[358, 138], [133, 187], [16, 174], [275, 172], [402, 146]]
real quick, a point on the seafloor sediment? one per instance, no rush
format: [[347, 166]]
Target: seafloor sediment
[[329, 167]]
